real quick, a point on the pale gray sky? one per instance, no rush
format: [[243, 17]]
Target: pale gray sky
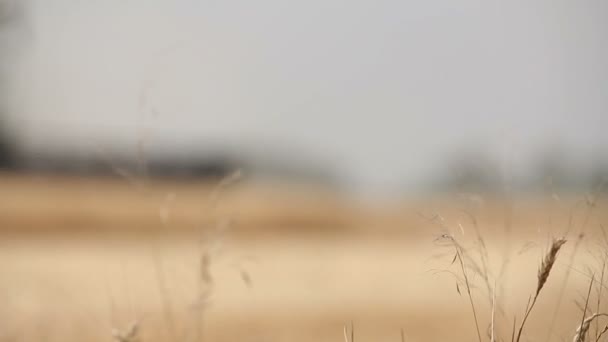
[[385, 89]]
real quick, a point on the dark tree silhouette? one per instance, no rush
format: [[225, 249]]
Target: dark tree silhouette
[[11, 23]]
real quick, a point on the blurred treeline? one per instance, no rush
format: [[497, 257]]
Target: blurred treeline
[[554, 169]]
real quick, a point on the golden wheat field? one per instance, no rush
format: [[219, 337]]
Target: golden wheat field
[[109, 260]]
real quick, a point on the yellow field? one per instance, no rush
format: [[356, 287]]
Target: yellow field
[[80, 258]]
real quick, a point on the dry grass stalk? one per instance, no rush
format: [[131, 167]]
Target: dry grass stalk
[[129, 335], [599, 295], [207, 255], [591, 202], [479, 266], [492, 326], [464, 262], [547, 264], [599, 336], [543, 274], [352, 333], [482, 268], [224, 183], [467, 283], [513, 329], [583, 329]]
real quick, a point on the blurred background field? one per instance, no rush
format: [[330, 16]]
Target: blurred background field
[[81, 257], [288, 171]]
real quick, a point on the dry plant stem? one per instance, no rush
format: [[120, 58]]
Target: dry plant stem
[[597, 339], [581, 332], [205, 284], [599, 296], [583, 329], [565, 282], [164, 296], [483, 254], [352, 333], [468, 286], [508, 210], [205, 281], [129, 335], [513, 329], [492, 336], [543, 274], [460, 255], [562, 289]]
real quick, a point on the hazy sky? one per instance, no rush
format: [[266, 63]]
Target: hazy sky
[[384, 89]]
